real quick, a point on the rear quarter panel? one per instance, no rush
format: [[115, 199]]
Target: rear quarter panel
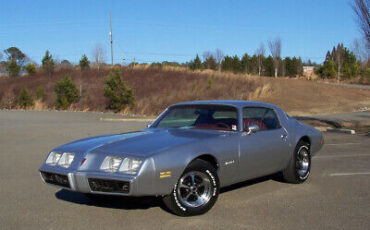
[[300, 130]]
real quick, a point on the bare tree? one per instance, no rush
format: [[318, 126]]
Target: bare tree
[[359, 49], [219, 56], [260, 53], [362, 10], [1, 56], [98, 55], [206, 55], [339, 59], [275, 49]]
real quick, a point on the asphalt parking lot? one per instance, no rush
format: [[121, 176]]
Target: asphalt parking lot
[[336, 196]]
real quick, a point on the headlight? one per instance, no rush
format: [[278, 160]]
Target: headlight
[[66, 160], [130, 165], [53, 158], [111, 164]]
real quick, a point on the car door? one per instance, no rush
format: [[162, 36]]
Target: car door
[[261, 152]]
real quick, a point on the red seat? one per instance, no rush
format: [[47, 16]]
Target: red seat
[[247, 122], [211, 127]]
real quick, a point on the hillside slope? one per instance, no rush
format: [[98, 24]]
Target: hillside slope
[[157, 88]]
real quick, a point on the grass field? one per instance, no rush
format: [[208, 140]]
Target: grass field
[[157, 88]]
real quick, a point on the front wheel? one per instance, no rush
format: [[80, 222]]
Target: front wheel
[[196, 191]]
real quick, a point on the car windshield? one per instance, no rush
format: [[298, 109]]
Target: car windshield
[[210, 117]]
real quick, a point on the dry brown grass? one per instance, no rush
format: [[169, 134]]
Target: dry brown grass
[[156, 88], [303, 97]]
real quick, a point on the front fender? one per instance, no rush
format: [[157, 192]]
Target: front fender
[[170, 165], [168, 170]]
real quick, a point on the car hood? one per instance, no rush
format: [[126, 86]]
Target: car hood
[[141, 143]]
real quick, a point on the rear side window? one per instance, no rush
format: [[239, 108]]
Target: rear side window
[[265, 118]]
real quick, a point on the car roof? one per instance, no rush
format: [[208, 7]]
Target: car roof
[[235, 103]]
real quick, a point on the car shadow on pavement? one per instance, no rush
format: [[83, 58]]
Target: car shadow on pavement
[[276, 177], [104, 201], [132, 203]]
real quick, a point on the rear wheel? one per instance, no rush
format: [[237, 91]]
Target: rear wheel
[[299, 165], [196, 191]]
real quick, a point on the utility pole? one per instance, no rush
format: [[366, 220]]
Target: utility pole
[[111, 37], [134, 62], [339, 56]]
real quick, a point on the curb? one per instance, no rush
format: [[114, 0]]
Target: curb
[[127, 119], [322, 129], [347, 131]]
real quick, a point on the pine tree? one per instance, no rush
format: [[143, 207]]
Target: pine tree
[[48, 63], [84, 63], [66, 92], [13, 68], [196, 63], [210, 63], [227, 64], [237, 66], [25, 99], [118, 93], [269, 66], [30, 68], [245, 63]]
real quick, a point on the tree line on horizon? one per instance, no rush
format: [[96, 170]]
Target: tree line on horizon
[[340, 62]]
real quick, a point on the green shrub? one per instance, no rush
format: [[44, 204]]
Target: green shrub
[[48, 63], [30, 68], [40, 93], [329, 69], [13, 68], [25, 99], [118, 93], [196, 63], [66, 92], [84, 63]]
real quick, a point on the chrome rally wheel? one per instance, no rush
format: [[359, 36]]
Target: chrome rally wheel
[[299, 166], [303, 162], [194, 189]]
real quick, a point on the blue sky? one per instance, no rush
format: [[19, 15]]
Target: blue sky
[[161, 30]]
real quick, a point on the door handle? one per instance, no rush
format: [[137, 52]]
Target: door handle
[[283, 136]]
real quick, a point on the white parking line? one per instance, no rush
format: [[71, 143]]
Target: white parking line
[[349, 174], [343, 155], [342, 143]]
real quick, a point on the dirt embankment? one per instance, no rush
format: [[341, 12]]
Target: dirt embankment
[[157, 88]]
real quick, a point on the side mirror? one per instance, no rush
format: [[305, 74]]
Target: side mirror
[[252, 129]]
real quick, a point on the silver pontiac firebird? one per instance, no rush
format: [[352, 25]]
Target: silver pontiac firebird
[[187, 154]]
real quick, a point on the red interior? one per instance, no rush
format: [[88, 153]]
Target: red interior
[[212, 127], [247, 122]]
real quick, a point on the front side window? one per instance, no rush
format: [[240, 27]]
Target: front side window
[[265, 118], [211, 117]]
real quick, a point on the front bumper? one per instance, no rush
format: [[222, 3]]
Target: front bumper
[[91, 182]]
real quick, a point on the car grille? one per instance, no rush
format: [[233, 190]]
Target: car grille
[[113, 186], [56, 179]]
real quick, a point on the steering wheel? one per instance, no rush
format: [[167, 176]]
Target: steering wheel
[[223, 125]]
